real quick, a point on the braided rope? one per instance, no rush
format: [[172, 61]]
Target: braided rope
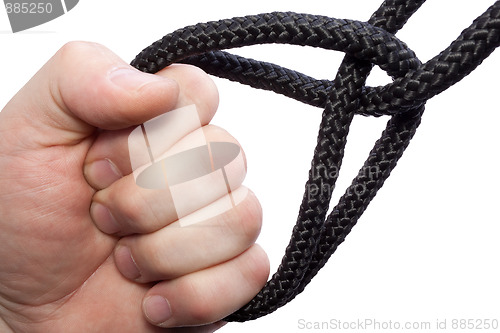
[[315, 235]]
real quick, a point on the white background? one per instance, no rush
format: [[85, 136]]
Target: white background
[[427, 248]]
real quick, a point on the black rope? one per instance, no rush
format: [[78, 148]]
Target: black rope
[[315, 235]]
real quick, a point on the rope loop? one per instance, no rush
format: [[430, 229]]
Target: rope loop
[[359, 39], [316, 236]]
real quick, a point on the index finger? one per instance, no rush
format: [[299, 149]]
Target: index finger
[[108, 159]]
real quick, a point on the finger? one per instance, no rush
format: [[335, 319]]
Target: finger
[[209, 295], [196, 88], [87, 87], [173, 187], [176, 250], [108, 159]]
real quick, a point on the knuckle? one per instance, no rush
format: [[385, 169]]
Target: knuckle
[[76, 49], [134, 206], [244, 222], [203, 83], [250, 221], [199, 88], [215, 133], [155, 254], [162, 266], [201, 310], [70, 48], [258, 267], [135, 211], [139, 210], [130, 209]]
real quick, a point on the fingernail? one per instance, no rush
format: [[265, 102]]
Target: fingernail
[[132, 79], [103, 218], [126, 263], [157, 309], [102, 173]]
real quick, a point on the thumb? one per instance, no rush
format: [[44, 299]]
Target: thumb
[[85, 86]]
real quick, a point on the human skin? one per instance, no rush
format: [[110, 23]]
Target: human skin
[[79, 241]]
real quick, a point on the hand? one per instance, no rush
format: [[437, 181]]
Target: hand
[[83, 248]]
